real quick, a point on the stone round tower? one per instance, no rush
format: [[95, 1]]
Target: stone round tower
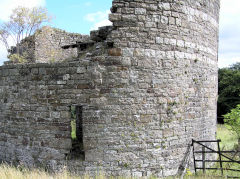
[[165, 95], [141, 90]]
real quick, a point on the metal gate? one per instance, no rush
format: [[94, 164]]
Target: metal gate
[[201, 164]]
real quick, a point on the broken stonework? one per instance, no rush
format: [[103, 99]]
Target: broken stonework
[[146, 87], [46, 45]]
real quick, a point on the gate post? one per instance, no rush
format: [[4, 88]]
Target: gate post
[[220, 157], [194, 160], [203, 159]]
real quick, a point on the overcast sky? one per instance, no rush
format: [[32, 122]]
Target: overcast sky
[[81, 16]]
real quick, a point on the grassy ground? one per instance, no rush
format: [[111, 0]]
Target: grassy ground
[[73, 131], [229, 142], [7, 172], [229, 139]]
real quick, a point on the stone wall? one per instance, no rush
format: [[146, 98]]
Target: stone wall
[[46, 44], [49, 42], [35, 113], [144, 98]]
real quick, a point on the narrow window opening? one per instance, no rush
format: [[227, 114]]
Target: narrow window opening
[[110, 44], [77, 151], [114, 9]]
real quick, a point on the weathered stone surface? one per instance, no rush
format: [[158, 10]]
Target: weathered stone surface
[[143, 100], [115, 52], [46, 45]]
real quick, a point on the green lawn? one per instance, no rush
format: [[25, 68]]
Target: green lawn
[[229, 139], [229, 142], [73, 129]]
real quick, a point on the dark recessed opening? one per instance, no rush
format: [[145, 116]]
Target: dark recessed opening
[[77, 150], [110, 44], [114, 9]]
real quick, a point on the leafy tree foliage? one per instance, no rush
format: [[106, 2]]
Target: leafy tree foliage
[[235, 66], [232, 121], [23, 22], [228, 90]]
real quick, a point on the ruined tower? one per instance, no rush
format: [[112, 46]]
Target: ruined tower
[[148, 87]]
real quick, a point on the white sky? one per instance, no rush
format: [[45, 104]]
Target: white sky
[[229, 37], [229, 42], [98, 19], [6, 7]]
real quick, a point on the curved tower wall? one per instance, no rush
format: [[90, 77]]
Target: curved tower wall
[[142, 100], [169, 90]]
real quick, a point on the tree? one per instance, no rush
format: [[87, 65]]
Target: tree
[[23, 22], [228, 90], [235, 66], [232, 121]]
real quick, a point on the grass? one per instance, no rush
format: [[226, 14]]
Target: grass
[[73, 129], [229, 139], [9, 172], [73, 122], [226, 173]]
